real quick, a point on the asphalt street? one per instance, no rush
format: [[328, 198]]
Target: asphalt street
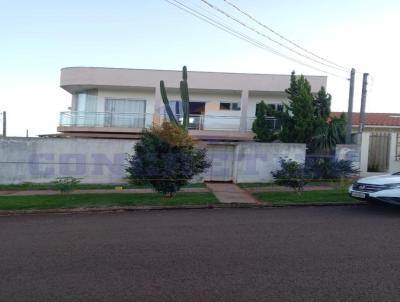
[[349, 253]]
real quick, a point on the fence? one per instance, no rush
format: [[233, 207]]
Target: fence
[[104, 160]]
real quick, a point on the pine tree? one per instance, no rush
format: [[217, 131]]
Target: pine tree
[[262, 126], [322, 104], [298, 120]]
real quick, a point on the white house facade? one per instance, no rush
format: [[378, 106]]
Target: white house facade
[[120, 103]]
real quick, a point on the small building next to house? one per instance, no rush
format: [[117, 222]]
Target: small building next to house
[[120, 103], [379, 141], [375, 122]]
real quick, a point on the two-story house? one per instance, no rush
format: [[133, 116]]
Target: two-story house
[[120, 103]]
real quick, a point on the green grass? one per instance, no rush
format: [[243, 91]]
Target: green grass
[[67, 201], [311, 182], [50, 186], [339, 195]]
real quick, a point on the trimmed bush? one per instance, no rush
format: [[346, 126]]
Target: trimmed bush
[[291, 175], [166, 158]]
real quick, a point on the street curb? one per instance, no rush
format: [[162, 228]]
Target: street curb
[[182, 207]]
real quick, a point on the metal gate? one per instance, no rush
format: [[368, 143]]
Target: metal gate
[[378, 152], [222, 157]]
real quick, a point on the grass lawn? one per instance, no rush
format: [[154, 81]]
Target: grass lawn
[[50, 186], [101, 200], [339, 195], [313, 182]]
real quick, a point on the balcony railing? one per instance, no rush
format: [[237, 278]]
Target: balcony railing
[[145, 120], [105, 119], [211, 122]]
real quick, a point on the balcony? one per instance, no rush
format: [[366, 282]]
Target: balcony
[[105, 120], [96, 124]]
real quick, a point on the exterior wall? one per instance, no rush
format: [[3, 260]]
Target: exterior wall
[[364, 150], [394, 164], [73, 78], [349, 152], [211, 87], [255, 161], [104, 160], [44, 159]]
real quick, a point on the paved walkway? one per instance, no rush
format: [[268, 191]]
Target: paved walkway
[[230, 193]]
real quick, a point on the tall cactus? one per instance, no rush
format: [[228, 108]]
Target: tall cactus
[[184, 89]]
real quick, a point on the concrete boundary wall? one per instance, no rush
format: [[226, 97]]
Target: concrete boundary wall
[[104, 160]]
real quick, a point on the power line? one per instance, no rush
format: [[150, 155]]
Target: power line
[[281, 36], [221, 11], [243, 36]]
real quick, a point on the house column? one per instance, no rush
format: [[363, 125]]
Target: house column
[[243, 110], [157, 106]]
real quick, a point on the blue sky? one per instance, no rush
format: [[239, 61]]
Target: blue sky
[[40, 37]]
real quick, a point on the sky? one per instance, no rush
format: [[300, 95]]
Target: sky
[[40, 37]]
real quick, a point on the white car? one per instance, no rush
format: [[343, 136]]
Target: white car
[[383, 188]]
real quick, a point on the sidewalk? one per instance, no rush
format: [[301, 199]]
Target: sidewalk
[[228, 193]]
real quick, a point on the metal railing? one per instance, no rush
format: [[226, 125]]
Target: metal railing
[[105, 119], [145, 120], [211, 122]]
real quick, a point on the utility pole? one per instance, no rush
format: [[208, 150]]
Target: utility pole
[[363, 101], [350, 109], [4, 124]]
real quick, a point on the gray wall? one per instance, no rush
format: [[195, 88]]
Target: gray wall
[[255, 161], [104, 160], [44, 159], [349, 152]]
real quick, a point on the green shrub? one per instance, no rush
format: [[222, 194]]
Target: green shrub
[[291, 175], [166, 158], [66, 184]]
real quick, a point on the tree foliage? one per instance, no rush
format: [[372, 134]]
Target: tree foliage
[[306, 118], [166, 158], [262, 127], [328, 167], [298, 122]]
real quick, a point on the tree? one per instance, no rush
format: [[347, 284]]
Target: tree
[[262, 126], [328, 135], [322, 105], [298, 119], [166, 158], [306, 118]]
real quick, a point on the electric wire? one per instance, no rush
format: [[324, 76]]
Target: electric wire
[[243, 36], [221, 11], [283, 37]]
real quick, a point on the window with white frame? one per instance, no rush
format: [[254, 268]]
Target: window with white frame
[[234, 106]]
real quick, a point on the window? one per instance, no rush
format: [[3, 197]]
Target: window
[[85, 102], [125, 112], [398, 147], [235, 106]]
